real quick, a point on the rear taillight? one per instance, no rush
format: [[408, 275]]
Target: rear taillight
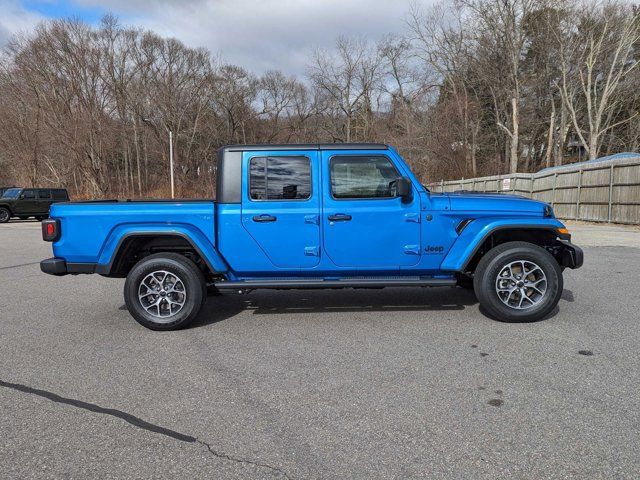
[[50, 230]]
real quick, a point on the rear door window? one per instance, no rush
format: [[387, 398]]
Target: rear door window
[[44, 194], [280, 178]]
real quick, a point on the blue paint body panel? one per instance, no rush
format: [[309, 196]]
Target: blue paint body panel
[[383, 236]]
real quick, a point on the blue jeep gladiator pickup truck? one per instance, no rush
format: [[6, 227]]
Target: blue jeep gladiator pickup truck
[[315, 216]]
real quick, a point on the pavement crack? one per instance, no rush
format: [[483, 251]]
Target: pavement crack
[[137, 422], [127, 417], [242, 460]]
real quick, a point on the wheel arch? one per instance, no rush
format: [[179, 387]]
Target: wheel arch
[[542, 237], [477, 240], [120, 254]]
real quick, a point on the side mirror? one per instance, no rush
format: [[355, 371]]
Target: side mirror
[[404, 189]]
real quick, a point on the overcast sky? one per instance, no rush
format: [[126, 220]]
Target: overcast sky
[[256, 34]]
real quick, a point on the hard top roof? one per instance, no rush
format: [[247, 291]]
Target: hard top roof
[[306, 146]]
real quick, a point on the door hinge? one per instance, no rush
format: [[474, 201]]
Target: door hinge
[[412, 249], [412, 217], [311, 251]]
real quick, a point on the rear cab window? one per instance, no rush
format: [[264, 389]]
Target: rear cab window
[[279, 178]]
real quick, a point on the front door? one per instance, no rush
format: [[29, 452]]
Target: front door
[[27, 203], [364, 223], [281, 206]]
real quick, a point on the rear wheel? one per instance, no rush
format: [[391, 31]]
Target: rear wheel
[[5, 215], [518, 282], [165, 291]]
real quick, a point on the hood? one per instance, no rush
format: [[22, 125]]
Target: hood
[[472, 201]]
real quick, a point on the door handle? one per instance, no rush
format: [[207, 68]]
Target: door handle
[[339, 217], [264, 218]]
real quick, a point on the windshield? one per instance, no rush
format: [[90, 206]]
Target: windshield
[[11, 193]]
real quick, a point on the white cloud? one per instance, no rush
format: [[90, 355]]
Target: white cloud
[[256, 34], [263, 34], [15, 20]]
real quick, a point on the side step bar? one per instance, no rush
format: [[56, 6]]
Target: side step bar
[[345, 283]]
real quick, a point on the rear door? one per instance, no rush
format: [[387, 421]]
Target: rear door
[[44, 201], [281, 206], [364, 223]]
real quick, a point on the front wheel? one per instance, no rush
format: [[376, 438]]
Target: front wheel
[[518, 282], [165, 291], [5, 215]]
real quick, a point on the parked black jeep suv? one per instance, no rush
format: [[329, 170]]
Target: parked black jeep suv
[[29, 202]]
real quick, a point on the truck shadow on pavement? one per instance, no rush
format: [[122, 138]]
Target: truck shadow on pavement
[[222, 307], [265, 302]]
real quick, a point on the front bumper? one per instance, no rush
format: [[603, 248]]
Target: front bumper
[[59, 267], [572, 255]]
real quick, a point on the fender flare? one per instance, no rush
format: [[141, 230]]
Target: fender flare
[[196, 238], [480, 229]]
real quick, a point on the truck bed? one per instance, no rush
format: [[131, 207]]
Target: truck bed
[[90, 230]]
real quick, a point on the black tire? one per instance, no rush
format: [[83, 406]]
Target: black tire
[[5, 215], [176, 265], [493, 263], [40, 218]]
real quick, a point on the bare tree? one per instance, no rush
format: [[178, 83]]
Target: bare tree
[[348, 79], [597, 56], [443, 43]]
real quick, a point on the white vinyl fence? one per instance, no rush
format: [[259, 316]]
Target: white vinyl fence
[[598, 191]]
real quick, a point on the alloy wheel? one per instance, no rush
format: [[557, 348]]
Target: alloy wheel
[[162, 294], [521, 284]]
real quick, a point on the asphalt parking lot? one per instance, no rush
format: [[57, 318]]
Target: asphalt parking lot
[[394, 383]]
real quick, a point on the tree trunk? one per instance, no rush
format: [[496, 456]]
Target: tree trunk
[[552, 121], [593, 147], [137, 145], [513, 154], [559, 144], [474, 148]]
